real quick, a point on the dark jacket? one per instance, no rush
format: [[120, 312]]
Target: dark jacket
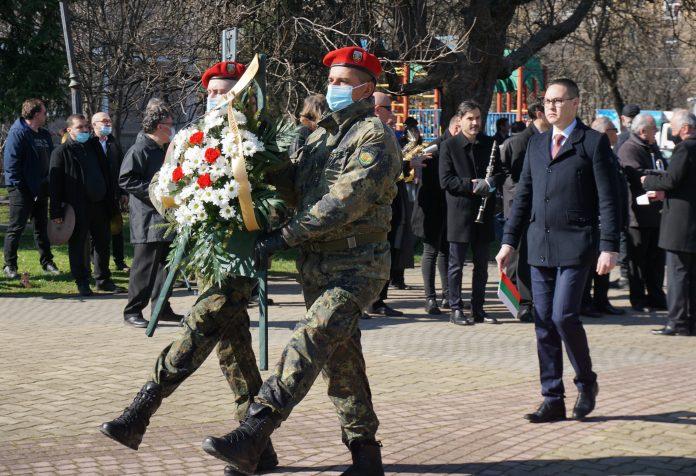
[[142, 161], [114, 158], [678, 227], [512, 157], [428, 220], [67, 180], [22, 164], [460, 162], [562, 200], [635, 158], [621, 139]]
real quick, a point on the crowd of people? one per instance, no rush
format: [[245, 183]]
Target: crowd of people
[[576, 200]]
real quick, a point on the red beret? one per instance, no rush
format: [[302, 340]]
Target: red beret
[[223, 70], [354, 57]]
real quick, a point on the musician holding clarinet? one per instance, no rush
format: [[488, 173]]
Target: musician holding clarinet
[[470, 173]]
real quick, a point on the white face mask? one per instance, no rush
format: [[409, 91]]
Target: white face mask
[[211, 103]]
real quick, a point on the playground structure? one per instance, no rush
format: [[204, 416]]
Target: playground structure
[[510, 100]]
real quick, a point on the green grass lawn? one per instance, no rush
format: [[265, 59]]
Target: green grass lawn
[[47, 285]]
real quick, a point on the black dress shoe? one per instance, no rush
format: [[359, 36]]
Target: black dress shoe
[[431, 307], [658, 305], [110, 287], [123, 267], [135, 320], [548, 412], [459, 318], [607, 308], [585, 403], [382, 309], [482, 316], [525, 314], [670, 330], [84, 290], [444, 304], [638, 307], [590, 311], [365, 316], [170, 316]]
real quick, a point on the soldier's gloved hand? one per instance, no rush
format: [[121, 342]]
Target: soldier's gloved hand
[[482, 188], [266, 245]]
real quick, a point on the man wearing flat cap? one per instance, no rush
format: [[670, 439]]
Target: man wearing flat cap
[[342, 184], [218, 317]]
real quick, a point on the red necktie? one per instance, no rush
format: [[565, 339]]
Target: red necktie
[[557, 140]]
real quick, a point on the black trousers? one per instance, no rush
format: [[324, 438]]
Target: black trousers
[[557, 298], [22, 207], [147, 276], [646, 270], [94, 223], [601, 290], [457, 254], [117, 248], [434, 256], [681, 289], [519, 272]]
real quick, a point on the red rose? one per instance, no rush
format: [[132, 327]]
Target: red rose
[[196, 138], [211, 155], [204, 181], [178, 174]]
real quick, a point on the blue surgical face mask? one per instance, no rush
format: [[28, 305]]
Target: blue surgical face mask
[[105, 130], [340, 97], [82, 137], [211, 103]]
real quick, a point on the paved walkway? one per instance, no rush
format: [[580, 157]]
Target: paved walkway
[[450, 399]]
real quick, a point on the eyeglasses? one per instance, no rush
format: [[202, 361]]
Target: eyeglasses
[[612, 129], [556, 102]]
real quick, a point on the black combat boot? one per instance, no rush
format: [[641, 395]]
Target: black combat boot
[[367, 459], [243, 447], [267, 461], [129, 428]]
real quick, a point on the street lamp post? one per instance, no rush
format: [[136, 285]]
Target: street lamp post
[[76, 97]]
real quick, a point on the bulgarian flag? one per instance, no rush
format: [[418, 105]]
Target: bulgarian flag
[[508, 294]]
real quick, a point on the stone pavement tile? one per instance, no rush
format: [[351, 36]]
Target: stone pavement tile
[[450, 399]]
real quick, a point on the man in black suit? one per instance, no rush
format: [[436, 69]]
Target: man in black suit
[[429, 222], [512, 157], [113, 155], [80, 178], [567, 181], [646, 260], [678, 229], [463, 162]]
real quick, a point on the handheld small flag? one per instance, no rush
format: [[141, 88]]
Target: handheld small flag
[[509, 295]]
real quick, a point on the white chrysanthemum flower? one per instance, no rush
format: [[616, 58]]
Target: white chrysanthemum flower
[[249, 148], [183, 216], [212, 141], [207, 195], [222, 198], [229, 148], [239, 117], [227, 212], [211, 121], [232, 189]]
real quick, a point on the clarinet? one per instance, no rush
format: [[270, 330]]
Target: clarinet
[[489, 174]]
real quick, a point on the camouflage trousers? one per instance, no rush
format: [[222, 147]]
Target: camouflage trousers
[[218, 317], [327, 340]]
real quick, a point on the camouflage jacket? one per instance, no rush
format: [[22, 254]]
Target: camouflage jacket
[[344, 179]]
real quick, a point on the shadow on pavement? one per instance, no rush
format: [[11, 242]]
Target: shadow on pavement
[[645, 465], [680, 418]]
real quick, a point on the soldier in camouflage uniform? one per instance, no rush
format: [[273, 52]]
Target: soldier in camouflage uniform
[[344, 183], [218, 317]]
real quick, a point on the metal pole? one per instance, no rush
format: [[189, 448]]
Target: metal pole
[[76, 97]]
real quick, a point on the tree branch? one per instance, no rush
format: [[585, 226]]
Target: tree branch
[[549, 34]]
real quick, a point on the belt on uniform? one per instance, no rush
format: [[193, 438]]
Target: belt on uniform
[[349, 242]]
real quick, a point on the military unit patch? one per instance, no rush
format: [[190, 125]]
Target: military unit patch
[[366, 158], [357, 56]]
